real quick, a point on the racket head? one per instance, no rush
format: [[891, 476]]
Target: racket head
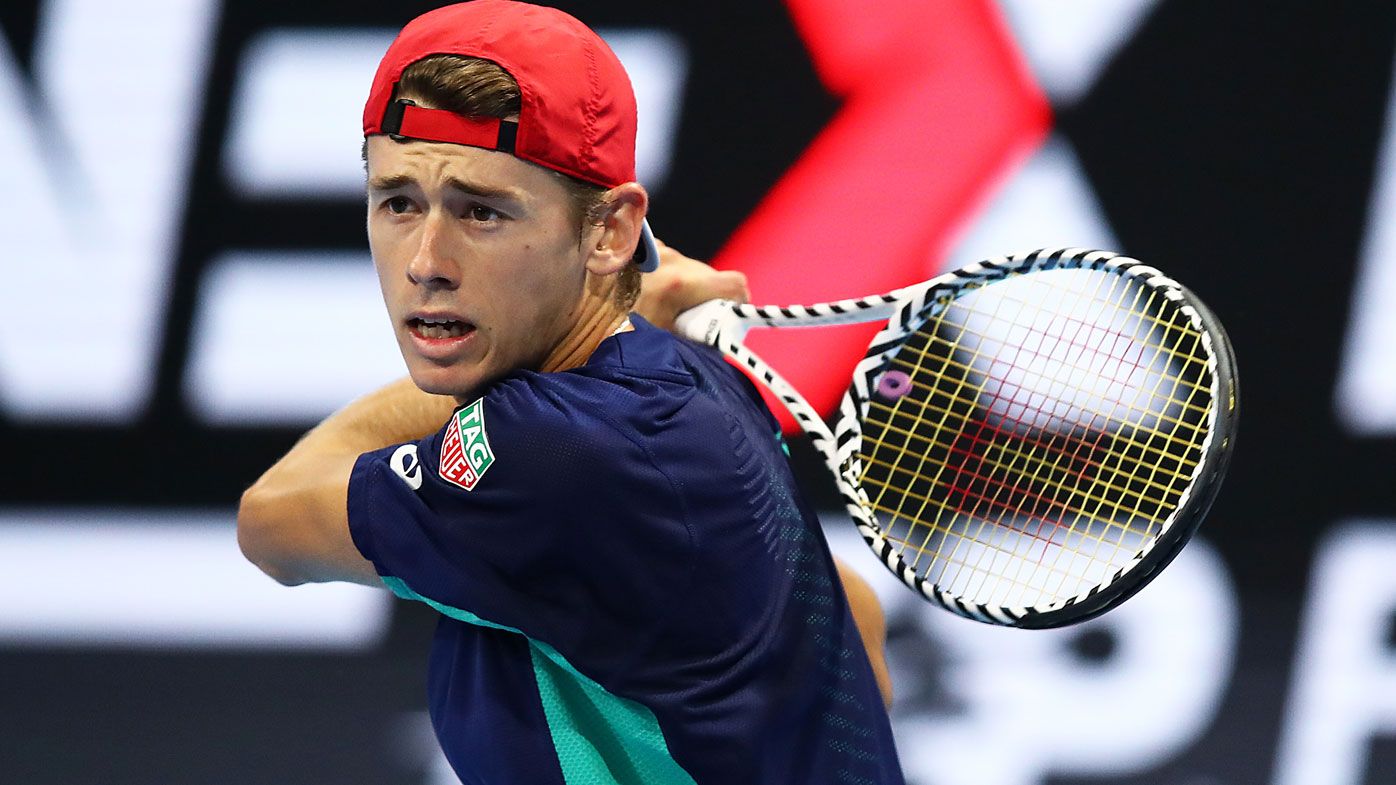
[[1037, 474]]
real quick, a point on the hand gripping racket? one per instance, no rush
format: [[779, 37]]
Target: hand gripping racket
[[1029, 440]]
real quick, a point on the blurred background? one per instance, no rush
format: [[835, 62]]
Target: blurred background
[[185, 287]]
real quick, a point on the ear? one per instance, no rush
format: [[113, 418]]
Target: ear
[[619, 231]]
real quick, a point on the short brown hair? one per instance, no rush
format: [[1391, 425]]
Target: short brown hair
[[479, 88]]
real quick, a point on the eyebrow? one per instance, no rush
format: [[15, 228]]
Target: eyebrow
[[398, 181], [389, 183]]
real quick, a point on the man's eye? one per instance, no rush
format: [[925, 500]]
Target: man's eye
[[483, 214], [398, 205]]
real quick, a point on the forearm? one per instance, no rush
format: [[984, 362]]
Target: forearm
[[292, 523], [872, 625], [681, 283], [398, 412]]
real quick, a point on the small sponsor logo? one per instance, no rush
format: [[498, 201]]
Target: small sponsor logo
[[405, 463], [465, 452], [893, 385]]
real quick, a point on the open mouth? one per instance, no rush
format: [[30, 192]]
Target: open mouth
[[439, 329]]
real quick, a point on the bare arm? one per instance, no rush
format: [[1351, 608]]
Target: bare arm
[[872, 626], [681, 283], [293, 522]]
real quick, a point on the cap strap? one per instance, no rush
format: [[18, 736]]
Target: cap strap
[[403, 118]]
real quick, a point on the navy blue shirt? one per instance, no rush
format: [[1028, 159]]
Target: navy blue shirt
[[631, 589]]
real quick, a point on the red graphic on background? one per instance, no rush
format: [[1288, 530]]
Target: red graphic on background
[[938, 107]]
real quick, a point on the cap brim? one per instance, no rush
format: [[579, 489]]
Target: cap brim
[[647, 252]]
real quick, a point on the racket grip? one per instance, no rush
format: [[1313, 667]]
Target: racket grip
[[707, 321]]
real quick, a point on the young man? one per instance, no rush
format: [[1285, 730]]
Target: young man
[[631, 590]]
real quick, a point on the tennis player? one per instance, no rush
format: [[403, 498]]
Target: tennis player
[[631, 589]]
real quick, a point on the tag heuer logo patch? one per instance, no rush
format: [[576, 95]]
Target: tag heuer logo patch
[[465, 452]]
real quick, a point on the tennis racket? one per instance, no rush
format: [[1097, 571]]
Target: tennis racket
[[1029, 440]]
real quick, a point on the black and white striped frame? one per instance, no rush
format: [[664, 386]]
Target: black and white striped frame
[[722, 324]]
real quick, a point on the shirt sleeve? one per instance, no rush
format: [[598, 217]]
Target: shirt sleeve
[[526, 513]]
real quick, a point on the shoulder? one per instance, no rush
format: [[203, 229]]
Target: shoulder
[[529, 450], [632, 386], [527, 428]]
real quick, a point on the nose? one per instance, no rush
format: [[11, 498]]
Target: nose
[[432, 264]]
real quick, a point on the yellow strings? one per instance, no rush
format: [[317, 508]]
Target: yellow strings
[[1102, 487]]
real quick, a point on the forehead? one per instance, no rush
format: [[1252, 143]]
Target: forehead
[[434, 164]]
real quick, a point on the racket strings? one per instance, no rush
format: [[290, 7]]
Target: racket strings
[[1051, 489], [1063, 507], [1145, 449], [1189, 355], [1189, 412], [1037, 515], [1151, 445], [992, 497], [1039, 411], [995, 498]]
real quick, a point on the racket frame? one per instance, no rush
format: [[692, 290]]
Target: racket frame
[[722, 324]]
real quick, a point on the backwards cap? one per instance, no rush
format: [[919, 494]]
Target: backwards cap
[[577, 108]]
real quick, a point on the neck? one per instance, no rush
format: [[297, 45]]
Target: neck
[[599, 318]]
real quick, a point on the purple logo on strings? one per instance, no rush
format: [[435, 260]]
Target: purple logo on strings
[[893, 385]]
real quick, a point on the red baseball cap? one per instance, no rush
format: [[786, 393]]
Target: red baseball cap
[[577, 113]]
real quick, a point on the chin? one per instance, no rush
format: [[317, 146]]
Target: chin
[[443, 381]]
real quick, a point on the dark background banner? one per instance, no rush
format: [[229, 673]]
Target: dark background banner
[[185, 287]]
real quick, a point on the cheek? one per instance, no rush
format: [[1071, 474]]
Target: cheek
[[378, 251], [387, 282], [527, 278], [389, 245], [389, 263]]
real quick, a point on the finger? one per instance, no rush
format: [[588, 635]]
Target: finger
[[712, 285], [733, 286]]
